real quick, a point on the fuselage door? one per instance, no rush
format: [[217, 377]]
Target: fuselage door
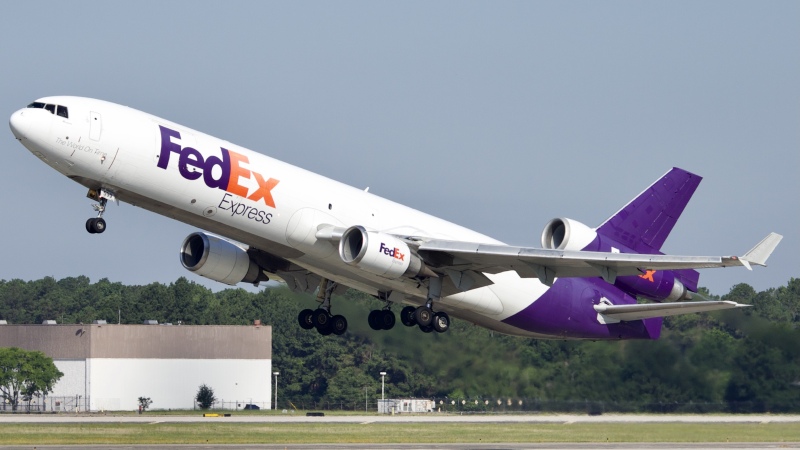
[[95, 125]]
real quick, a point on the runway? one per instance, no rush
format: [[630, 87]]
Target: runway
[[154, 417], [567, 446]]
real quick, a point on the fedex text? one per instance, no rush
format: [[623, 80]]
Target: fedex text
[[393, 252], [232, 168]]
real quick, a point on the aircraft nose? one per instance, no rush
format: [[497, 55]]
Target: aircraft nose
[[18, 123]]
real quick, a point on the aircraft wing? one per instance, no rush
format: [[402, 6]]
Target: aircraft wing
[[613, 313], [549, 264]]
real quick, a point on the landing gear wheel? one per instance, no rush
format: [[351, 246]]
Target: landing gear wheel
[[426, 329], [441, 322], [407, 316], [321, 318], [338, 325], [374, 320], [99, 225], [305, 320], [424, 316], [386, 319], [96, 225], [325, 329]]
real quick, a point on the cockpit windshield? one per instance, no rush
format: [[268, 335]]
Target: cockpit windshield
[[54, 109]]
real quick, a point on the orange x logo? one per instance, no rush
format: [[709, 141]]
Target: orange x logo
[[648, 276]]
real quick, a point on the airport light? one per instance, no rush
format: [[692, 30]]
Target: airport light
[[276, 389], [383, 384]]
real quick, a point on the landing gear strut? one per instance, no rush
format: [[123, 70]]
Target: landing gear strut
[[321, 318], [97, 225]]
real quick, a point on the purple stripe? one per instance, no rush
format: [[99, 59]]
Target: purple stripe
[[566, 310]]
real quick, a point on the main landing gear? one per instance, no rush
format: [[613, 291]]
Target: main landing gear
[[97, 225], [423, 316], [321, 318], [382, 319], [379, 319]]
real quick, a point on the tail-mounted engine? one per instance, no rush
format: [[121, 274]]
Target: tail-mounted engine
[[219, 260], [380, 254], [567, 234]]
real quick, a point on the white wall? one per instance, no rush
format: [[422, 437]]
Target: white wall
[[74, 380], [71, 385], [116, 384]]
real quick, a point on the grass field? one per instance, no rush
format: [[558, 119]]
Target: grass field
[[391, 433]]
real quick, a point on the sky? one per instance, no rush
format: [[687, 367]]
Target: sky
[[498, 116]]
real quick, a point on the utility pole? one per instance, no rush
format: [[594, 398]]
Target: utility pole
[[276, 389], [383, 397]]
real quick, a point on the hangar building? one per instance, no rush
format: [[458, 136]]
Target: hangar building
[[108, 367]]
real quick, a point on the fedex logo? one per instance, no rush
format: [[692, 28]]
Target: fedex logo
[[232, 168], [393, 252]]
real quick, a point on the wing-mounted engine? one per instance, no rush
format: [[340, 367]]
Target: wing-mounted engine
[[380, 254], [219, 260], [567, 234]]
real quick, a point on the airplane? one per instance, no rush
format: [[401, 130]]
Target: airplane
[[265, 219]]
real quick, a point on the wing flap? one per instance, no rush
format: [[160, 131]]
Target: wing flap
[[650, 310]]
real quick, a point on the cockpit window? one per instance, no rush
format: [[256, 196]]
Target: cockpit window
[[54, 109]]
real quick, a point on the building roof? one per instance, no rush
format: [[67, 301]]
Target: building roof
[[141, 341]]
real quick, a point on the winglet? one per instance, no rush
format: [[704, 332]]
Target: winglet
[[758, 255]]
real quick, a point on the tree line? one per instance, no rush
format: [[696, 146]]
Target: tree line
[[742, 360]]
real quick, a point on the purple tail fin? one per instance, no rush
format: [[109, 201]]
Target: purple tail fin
[[644, 224]]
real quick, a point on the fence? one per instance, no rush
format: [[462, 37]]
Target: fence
[[510, 405], [77, 403], [236, 405], [505, 405]]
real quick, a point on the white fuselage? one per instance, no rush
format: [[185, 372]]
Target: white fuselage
[[266, 203]]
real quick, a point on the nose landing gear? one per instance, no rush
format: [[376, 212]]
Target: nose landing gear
[[97, 225]]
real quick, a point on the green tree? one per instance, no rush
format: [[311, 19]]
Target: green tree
[[742, 357], [765, 372], [205, 397], [26, 374], [144, 403]]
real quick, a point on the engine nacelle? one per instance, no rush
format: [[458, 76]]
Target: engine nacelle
[[658, 285], [379, 253], [219, 260], [567, 234]]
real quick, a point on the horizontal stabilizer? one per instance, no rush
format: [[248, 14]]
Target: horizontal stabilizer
[[758, 255], [649, 310]]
